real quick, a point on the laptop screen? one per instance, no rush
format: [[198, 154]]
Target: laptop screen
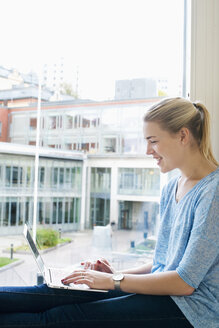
[[34, 249]]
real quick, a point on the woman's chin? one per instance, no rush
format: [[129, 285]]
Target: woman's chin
[[164, 169]]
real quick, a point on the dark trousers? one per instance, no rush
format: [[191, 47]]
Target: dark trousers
[[40, 306]]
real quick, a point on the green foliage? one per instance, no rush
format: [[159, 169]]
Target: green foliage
[[162, 93], [148, 244], [47, 237], [64, 240], [5, 261], [68, 90]]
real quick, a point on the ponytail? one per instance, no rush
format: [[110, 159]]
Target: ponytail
[[205, 139]]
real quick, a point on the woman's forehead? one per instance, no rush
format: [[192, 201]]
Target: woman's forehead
[[152, 127]]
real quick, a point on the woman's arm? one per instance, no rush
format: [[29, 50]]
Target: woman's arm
[[163, 283], [144, 269], [104, 266]]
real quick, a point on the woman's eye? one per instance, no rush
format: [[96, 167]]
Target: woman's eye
[[153, 142]]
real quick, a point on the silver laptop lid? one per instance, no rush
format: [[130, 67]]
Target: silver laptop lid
[[34, 250]]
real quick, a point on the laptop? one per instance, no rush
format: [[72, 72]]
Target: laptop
[[53, 276]]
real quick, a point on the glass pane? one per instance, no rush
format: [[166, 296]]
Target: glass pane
[[66, 212], [72, 203], [61, 176], [60, 214], [8, 176], [47, 212], [92, 105]]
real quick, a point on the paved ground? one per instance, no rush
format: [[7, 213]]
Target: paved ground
[[84, 246]]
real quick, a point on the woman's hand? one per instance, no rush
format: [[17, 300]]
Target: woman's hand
[[101, 265], [93, 279]]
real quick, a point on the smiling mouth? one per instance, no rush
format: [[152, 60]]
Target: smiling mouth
[[158, 159]]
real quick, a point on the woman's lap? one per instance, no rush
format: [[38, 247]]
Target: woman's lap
[[115, 309], [41, 298]]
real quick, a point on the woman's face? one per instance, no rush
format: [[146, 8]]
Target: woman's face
[[166, 148]]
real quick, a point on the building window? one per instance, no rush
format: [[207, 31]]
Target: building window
[[14, 176], [100, 180], [85, 146], [100, 196], [139, 181], [32, 143], [109, 144], [12, 215], [68, 122], [52, 123], [47, 210], [33, 123], [90, 120], [29, 176], [0, 129], [41, 176], [125, 215], [75, 206], [55, 172], [57, 211]]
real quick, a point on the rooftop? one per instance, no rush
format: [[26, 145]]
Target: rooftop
[[22, 92], [26, 150]]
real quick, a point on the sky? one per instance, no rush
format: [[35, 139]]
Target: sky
[[104, 40]]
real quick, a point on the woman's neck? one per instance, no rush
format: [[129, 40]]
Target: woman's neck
[[196, 167]]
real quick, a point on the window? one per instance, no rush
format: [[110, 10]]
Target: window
[[55, 177], [0, 129], [32, 143], [109, 144], [14, 176], [29, 176], [102, 119], [130, 144], [139, 181], [41, 176], [52, 122], [33, 123], [100, 179], [68, 122], [90, 119]]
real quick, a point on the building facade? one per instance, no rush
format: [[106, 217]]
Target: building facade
[[113, 183], [59, 188], [92, 127]]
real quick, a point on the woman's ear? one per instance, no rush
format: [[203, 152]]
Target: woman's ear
[[184, 135]]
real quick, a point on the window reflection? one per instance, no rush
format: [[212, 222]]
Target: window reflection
[[139, 181], [100, 196], [54, 207]]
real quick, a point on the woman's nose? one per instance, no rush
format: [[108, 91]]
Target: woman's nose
[[149, 149]]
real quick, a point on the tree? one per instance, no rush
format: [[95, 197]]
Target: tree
[[68, 90], [162, 93]]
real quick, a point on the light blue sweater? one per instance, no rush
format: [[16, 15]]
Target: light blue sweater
[[188, 242]]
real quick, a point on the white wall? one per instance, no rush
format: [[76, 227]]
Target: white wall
[[205, 60]]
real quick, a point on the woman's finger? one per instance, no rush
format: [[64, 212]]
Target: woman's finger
[[78, 278], [89, 265], [74, 274], [86, 264], [105, 266], [105, 261], [83, 280]]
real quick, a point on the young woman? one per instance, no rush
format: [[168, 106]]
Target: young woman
[[181, 287]]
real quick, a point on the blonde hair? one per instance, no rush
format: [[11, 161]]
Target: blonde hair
[[175, 113]]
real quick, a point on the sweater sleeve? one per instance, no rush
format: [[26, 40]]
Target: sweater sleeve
[[203, 245]]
